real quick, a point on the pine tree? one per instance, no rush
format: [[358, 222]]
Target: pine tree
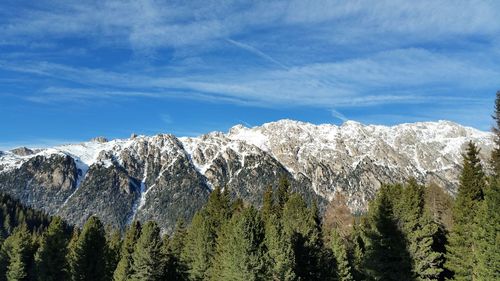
[[299, 224], [280, 253], [267, 203], [88, 253], [147, 257], [175, 268], [386, 257], [113, 249], [282, 194], [199, 249], [50, 259], [487, 236], [495, 153], [459, 259], [240, 249], [343, 269], [419, 230], [123, 270], [19, 250]]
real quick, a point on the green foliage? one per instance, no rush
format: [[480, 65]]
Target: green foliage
[[19, 250], [419, 231], [240, 249], [487, 236], [299, 223], [470, 193], [87, 256], [50, 259], [148, 260], [342, 265], [123, 270], [176, 269], [200, 242], [386, 257], [495, 153], [280, 253]]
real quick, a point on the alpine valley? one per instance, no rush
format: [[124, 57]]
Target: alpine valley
[[165, 177]]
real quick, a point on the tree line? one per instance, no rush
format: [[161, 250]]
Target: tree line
[[409, 232]]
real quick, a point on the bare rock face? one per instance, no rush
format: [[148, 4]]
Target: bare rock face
[[165, 178], [22, 151]]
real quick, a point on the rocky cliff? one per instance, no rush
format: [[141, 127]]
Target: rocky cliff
[[163, 177]]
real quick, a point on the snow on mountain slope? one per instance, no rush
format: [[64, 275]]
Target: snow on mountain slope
[[351, 158]]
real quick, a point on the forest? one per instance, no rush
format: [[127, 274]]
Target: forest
[[409, 232]]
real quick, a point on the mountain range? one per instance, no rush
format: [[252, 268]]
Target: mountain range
[[164, 177]]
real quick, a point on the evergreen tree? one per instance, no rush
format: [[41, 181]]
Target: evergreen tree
[[147, 257], [487, 236], [123, 270], [282, 193], [267, 203], [459, 259], [343, 269], [88, 253], [113, 249], [199, 248], [495, 153], [280, 252], [385, 255], [240, 249], [175, 268], [50, 259], [19, 250], [299, 224], [419, 231]]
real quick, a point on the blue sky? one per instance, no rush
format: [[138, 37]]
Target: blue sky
[[72, 70]]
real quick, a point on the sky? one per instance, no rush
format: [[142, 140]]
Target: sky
[[73, 70]]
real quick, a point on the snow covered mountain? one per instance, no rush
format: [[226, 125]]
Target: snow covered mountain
[[163, 177]]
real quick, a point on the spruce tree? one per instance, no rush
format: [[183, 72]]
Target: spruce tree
[[88, 253], [50, 259], [495, 153], [199, 248], [176, 269], [299, 223], [419, 231], [459, 259], [240, 249], [148, 257], [280, 252], [113, 249], [385, 257], [487, 236], [19, 250], [123, 270], [343, 270]]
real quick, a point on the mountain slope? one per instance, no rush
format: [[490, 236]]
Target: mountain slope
[[164, 177]]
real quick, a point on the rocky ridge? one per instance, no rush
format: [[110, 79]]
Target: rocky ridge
[[163, 177]]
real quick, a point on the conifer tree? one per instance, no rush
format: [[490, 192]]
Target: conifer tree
[[123, 270], [267, 203], [88, 253], [495, 153], [299, 223], [240, 248], [113, 249], [199, 248], [280, 253], [385, 256], [50, 259], [419, 231], [459, 259], [19, 252], [343, 270], [176, 269], [282, 193], [148, 257], [487, 236]]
